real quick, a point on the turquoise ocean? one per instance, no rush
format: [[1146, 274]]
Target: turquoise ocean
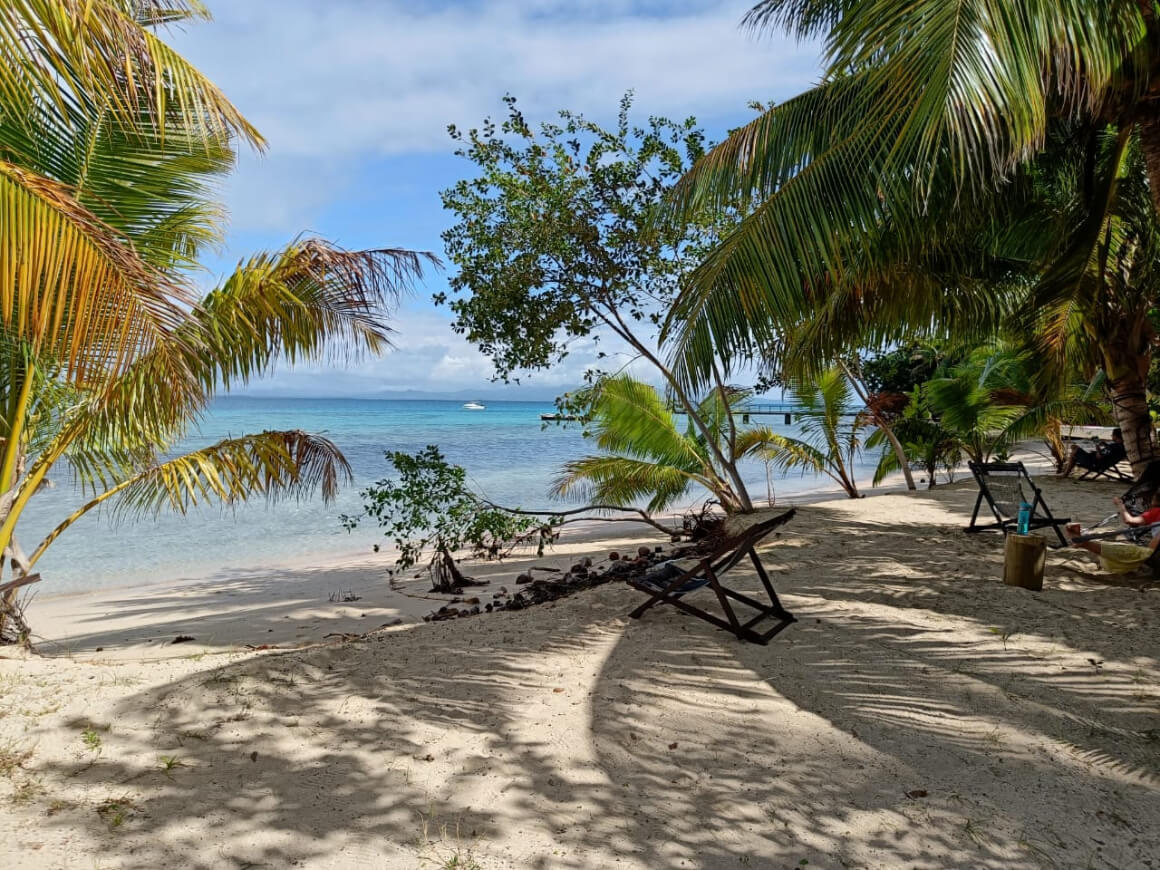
[[508, 453]]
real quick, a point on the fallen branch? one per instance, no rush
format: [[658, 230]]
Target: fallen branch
[[27, 580], [641, 516]]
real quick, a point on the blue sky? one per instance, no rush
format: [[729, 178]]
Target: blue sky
[[354, 97]]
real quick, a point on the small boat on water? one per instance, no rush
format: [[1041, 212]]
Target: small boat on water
[[474, 406]]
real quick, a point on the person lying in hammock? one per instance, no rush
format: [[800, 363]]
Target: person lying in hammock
[[1122, 557]]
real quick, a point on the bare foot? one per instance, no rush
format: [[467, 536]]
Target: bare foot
[[1072, 531]]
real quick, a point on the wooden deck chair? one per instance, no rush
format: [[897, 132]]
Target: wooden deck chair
[[708, 571], [1005, 485]]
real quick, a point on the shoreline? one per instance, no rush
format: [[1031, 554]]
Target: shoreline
[[302, 601]]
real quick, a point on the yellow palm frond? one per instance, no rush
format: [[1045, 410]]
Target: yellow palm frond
[[71, 287], [68, 52], [275, 464]]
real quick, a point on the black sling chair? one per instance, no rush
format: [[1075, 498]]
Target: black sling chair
[[1106, 463], [671, 583], [1005, 485]]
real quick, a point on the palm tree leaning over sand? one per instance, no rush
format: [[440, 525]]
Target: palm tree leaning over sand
[[110, 144], [870, 192]]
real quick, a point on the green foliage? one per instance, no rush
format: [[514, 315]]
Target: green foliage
[[92, 741], [981, 407], [648, 456], [112, 150], [900, 369], [928, 445], [555, 237], [831, 434], [431, 513], [936, 184]]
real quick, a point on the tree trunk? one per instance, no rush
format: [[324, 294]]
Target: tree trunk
[[880, 421], [896, 445], [14, 629], [446, 576], [1130, 409]]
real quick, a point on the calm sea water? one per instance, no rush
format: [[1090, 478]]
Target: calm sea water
[[510, 456]]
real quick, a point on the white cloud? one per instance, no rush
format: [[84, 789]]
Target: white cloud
[[343, 88], [325, 79], [332, 83], [427, 356]]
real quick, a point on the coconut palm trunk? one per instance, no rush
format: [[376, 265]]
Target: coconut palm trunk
[[1130, 409]]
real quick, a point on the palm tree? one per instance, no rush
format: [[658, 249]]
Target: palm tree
[[872, 196], [108, 356], [831, 434], [646, 455]]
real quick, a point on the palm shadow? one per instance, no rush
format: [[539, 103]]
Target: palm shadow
[[914, 716]]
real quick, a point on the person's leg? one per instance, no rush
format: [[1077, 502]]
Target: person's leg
[[1072, 530], [1072, 457]]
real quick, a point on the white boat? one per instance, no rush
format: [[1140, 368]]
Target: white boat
[[474, 406]]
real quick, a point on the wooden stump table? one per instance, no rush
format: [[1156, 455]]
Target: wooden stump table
[[1024, 560]]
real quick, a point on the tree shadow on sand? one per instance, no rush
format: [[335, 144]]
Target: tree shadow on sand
[[915, 716]]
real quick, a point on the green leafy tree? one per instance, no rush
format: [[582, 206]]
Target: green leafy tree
[[431, 514], [556, 242]]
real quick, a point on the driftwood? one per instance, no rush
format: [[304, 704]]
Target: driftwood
[[16, 584]]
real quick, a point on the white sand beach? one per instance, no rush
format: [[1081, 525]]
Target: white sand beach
[[919, 714]]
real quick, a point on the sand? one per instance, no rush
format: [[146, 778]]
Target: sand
[[919, 714]]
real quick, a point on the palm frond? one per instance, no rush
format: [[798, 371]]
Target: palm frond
[[631, 417], [161, 193], [62, 53], [274, 464], [624, 481], [72, 287]]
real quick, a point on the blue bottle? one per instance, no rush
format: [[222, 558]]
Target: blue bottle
[[1023, 520]]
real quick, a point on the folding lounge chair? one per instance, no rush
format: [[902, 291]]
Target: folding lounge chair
[[1107, 464], [707, 572], [1005, 485]]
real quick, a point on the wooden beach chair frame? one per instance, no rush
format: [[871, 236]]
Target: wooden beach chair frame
[[1041, 516], [708, 571]]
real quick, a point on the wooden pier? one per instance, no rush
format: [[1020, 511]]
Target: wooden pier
[[771, 409]]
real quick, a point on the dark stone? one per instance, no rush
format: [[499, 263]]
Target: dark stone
[[524, 578], [613, 556]]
